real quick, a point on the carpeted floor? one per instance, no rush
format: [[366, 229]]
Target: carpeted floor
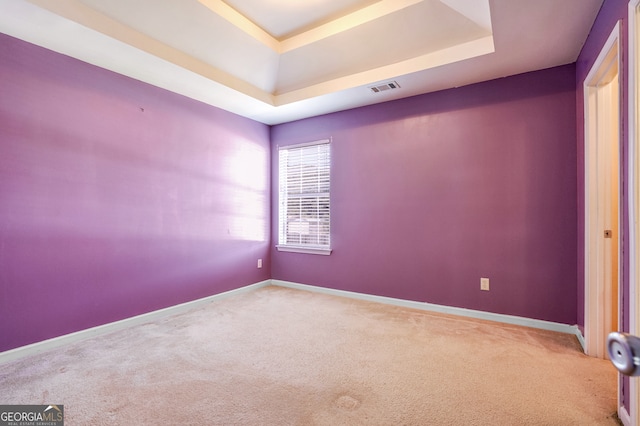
[[278, 356]]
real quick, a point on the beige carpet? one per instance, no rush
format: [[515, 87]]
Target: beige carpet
[[279, 356]]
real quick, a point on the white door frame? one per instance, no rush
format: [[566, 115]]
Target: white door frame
[[633, 415], [598, 295]]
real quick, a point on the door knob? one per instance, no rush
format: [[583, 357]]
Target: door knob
[[624, 353]]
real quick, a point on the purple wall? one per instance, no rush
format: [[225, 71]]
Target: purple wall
[[611, 12], [433, 192], [118, 198]]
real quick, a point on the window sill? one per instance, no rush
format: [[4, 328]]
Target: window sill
[[306, 250]]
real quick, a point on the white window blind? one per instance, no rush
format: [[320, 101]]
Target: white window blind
[[304, 201]]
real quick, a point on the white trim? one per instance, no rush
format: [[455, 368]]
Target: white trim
[[597, 297], [45, 345], [632, 415], [431, 307], [367, 14], [318, 158], [305, 144], [624, 416], [633, 170], [306, 250], [581, 340]]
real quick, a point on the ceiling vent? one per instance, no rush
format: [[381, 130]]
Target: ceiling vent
[[384, 87]]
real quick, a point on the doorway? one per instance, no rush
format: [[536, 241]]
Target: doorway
[[602, 189]]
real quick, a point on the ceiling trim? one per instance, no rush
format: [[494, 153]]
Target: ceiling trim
[[345, 23], [337, 26], [243, 23], [76, 11], [480, 14], [479, 47], [506, 40]]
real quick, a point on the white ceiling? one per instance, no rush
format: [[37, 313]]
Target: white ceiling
[[281, 60]]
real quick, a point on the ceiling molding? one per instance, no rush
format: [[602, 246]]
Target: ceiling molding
[[239, 20], [77, 11], [479, 12], [450, 55], [84, 14], [208, 51], [344, 23]]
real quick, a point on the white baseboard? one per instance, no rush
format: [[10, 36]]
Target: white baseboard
[[66, 339], [507, 319], [624, 416], [581, 340]]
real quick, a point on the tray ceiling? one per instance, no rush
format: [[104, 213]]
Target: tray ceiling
[[281, 60]]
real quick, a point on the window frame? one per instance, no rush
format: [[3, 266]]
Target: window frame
[[283, 196]]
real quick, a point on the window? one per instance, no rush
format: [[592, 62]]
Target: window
[[304, 202]]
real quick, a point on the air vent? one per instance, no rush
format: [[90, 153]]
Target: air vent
[[384, 87]]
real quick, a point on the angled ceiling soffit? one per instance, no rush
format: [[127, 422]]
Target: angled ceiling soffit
[[380, 41]]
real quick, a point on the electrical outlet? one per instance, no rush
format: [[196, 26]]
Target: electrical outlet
[[259, 263], [484, 284]]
